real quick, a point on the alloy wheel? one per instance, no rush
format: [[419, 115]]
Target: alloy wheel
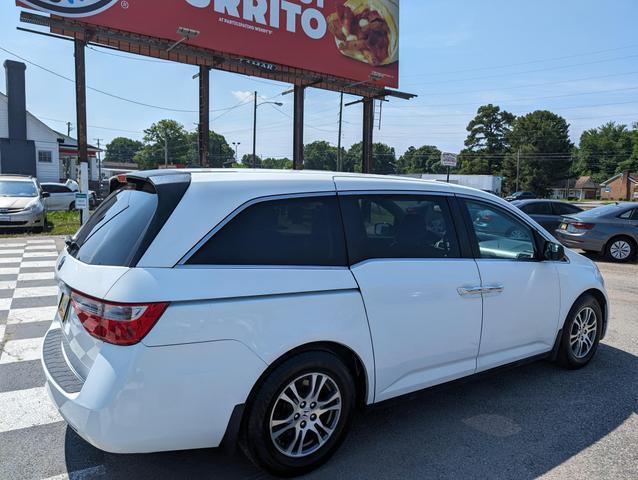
[[620, 250], [583, 332], [305, 415]]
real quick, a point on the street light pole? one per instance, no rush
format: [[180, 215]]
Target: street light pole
[[279, 104], [236, 145], [255, 133]]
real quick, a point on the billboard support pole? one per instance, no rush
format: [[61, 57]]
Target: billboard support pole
[[368, 127], [80, 109], [204, 115], [298, 122]]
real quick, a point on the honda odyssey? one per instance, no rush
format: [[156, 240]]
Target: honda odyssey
[[208, 307]]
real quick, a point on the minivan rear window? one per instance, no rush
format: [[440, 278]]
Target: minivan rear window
[[114, 233]]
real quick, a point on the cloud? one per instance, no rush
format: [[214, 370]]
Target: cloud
[[243, 96]]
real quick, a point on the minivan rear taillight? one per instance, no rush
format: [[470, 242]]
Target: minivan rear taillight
[[116, 323]]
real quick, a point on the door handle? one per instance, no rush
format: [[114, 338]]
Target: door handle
[[493, 289], [468, 291]]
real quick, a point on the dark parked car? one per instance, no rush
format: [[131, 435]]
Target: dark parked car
[[521, 196], [610, 229], [549, 213]]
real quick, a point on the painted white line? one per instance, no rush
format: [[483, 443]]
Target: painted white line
[[36, 276], [47, 254], [5, 303], [2, 328], [11, 260], [44, 263], [21, 351], [32, 248], [84, 474], [40, 240], [12, 245], [26, 408], [27, 315], [7, 285], [11, 252], [31, 292], [10, 271]]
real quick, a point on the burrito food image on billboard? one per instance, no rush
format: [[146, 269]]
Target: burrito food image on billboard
[[367, 30]]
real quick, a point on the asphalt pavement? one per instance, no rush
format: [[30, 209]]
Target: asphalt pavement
[[528, 422]]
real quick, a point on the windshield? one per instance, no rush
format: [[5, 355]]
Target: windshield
[[10, 188]]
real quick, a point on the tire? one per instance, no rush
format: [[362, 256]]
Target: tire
[[267, 446], [72, 206], [621, 249], [579, 345]]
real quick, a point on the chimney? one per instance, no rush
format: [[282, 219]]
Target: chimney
[[17, 99]]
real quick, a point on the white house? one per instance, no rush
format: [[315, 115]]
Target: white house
[[27, 145]]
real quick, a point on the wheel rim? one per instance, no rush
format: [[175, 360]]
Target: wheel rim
[[305, 415], [583, 332], [620, 250]]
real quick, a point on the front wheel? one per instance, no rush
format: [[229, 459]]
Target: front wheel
[[581, 334], [300, 414]]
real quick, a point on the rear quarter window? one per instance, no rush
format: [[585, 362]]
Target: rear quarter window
[[113, 234]]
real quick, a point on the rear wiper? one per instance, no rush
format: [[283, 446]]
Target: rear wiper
[[71, 243]]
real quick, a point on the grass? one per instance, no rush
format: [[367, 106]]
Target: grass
[[63, 223]]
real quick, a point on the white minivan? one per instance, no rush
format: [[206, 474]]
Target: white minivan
[[208, 307]]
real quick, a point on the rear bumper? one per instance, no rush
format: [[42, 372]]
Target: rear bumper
[[143, 399], [582, 241]]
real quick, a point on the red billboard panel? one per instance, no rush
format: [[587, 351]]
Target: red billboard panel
[[352, 39]]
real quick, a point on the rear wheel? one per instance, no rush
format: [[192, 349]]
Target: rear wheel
[[72, 207], [581, 333], [300, 414], [621, 249]]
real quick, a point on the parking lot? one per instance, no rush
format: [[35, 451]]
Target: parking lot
[[528, 422]]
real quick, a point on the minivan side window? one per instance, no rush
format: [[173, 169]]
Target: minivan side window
[[398, 226], [287, 232], [499, 234]]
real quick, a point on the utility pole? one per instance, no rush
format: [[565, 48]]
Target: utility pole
[[255, 133], [236, 145], [68, 129], [339, 166], [518, 168], [165, 150], [99, 166]]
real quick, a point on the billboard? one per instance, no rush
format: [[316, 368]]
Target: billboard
[[352, 39]]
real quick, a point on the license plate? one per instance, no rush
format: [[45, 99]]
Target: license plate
[[63, 307], [5, 218]]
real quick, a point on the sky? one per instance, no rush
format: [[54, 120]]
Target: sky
[[577, 58]]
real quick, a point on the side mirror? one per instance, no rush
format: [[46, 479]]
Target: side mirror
[[45, 194], [554, 252]]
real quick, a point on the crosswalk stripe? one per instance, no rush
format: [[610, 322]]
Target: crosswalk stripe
[[23, 277], [10, 285], [6, 246], [84, 474], [26, 408], [10, 271], [21, 350], [31, 292], [10, 260], [41, 241], [11, 252], [5, 303], [38, 264], [28, 315], [40, 254]]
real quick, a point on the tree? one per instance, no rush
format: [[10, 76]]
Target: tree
[[487, 141], [542, 138], [425, 159], [605, 151], [220, 154], [248, 162], [161, 138], [277, 163], [122, 149], [384, 159], [320, 155]]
